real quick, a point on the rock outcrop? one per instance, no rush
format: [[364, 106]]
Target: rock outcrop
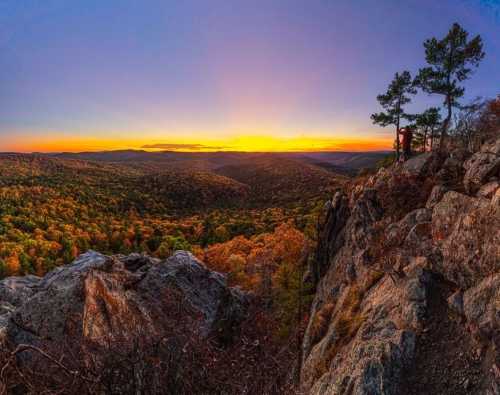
[[100, 300], [481, 166], [394, 297]]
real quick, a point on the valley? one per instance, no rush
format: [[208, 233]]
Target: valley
[[52, 207]]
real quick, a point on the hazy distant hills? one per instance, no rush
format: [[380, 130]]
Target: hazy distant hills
[[178, 181], [338, 162]]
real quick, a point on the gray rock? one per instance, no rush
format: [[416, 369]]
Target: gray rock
[[467, 232], [456, 302], [481, 166], [396, 233], [16, 290], [369, 339], [482, 309], [451, 172], [488, 190], [436, 195], [418, 165], [99, 299], [332, 236]]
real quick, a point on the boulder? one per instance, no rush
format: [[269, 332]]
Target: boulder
[[451, 172], [481, 166], [100, 299], [436, 195], [482, 310], [397, 232], [418, 165], [467, 232]]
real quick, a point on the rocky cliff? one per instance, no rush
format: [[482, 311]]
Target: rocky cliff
[[407, 274]]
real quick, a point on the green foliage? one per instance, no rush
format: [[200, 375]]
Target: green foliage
[[450, 60], [426, 128], [393, 101], [171, 244]]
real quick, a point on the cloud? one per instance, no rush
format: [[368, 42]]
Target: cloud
[[182, 147]]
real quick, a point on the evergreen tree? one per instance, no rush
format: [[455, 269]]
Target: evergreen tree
[[450, 63], [427, 125], [393, 101]]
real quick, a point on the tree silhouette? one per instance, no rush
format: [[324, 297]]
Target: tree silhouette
[[393, 101], [450, 63]]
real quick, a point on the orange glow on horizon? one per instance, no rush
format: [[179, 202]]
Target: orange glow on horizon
[[250, 143]]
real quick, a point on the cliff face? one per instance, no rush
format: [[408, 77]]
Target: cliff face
[[408, 282]]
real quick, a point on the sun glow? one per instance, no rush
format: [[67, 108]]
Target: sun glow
[[247, 143]]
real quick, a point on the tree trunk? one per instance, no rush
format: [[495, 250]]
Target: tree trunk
[[446, 124], [425, 138], [397, 143]]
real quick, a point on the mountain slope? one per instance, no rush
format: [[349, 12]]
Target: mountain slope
[[122, 185], [274, 180]]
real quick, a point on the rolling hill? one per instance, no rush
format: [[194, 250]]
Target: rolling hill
[[274, 180]]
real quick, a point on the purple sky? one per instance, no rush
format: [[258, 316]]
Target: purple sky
[[173, 71]]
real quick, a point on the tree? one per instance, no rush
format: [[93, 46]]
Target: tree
[[393, 101], [450, 63], [467, 122], [427, 124]]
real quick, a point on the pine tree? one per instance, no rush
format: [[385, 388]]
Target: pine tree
[[450, 63], [427, 124], [393, 101]]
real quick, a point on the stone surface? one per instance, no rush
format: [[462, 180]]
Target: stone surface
[[481, 166], [418, 165], [488, 190], [456, 302], [436, 195], [467, 231], [397, 232], [99, 298], [332, 237], [482, 310], [382, 292], [16, 290]]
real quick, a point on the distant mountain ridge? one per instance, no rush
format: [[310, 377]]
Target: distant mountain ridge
[[343, 162]]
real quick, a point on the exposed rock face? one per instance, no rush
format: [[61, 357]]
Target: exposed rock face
[[332, 237], [98, 299], [418, 165], [16, 290], [467, 230], [371, 314], [481, 166], [437, 194]]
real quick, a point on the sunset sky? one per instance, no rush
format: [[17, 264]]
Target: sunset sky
[[256, 75]]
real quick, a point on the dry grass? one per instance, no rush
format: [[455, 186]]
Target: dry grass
[[372, 278], [321, 321], [346, 325]]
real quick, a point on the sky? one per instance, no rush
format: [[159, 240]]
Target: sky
[[201, 75]]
